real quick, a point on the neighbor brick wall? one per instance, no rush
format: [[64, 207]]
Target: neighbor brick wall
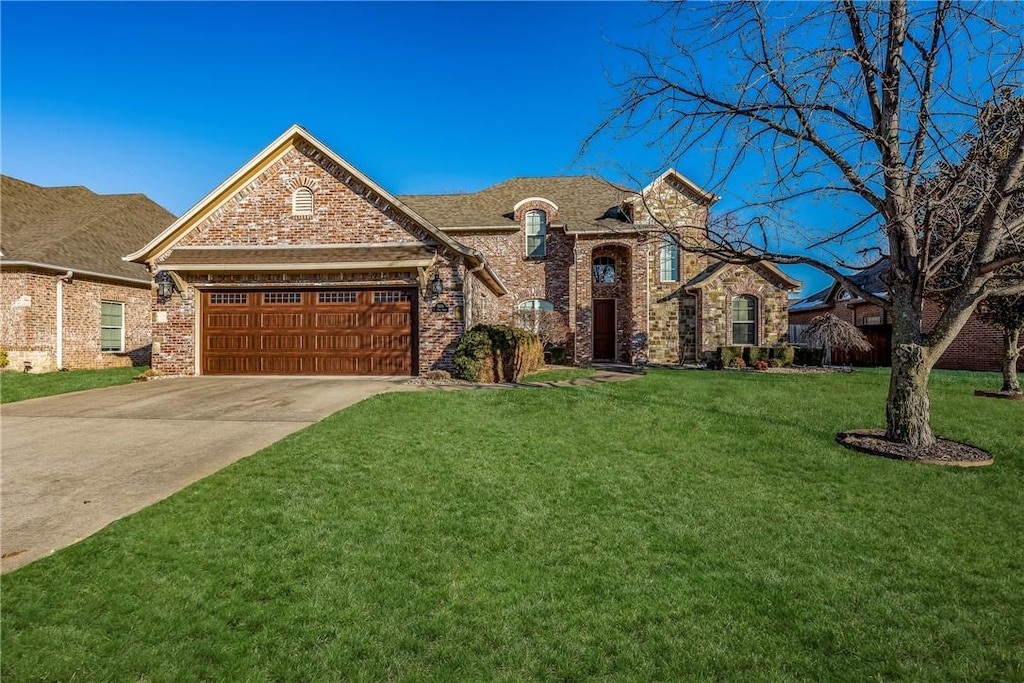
[[345, 212], [977, 347], [28, 321]]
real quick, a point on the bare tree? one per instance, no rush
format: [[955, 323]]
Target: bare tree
[[865, 101], [1007, 314]]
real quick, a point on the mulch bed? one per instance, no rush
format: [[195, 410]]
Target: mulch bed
[[944, 452], [999, 394]]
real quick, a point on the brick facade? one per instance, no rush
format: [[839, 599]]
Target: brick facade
[[715, 318], [977, 347], [28, 321], [655, 321], [345, 212]]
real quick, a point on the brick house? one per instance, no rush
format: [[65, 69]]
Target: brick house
[[67, 300], [300, 264], [978, 346]]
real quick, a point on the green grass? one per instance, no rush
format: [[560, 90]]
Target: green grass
[[559, 375], [682, 526], [18, 386]]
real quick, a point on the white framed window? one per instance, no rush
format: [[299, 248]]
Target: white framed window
[[302, 202], [744, 320], [669, 258], [530, 313], [604, 270], [111, 326], [536, 233]]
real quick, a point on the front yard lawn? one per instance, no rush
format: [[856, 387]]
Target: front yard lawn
[[682, 526], [18, 386]]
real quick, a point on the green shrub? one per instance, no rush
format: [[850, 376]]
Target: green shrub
[[784, 353], [727, 353], [497, 353], [473, 356], [806, 355], [753, 354], [556, 355], [4, 360]]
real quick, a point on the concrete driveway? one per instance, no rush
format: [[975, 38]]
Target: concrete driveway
[[72, 464]]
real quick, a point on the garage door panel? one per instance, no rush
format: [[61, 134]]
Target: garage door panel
[[330, 332], [340, 320]]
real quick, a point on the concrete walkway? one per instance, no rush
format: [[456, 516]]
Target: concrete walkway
[[72, 464]]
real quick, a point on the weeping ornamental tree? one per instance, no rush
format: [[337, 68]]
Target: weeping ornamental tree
[[860, 103], [829, 332]]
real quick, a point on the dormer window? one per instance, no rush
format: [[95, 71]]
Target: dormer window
[[536, 233], [302, 202]]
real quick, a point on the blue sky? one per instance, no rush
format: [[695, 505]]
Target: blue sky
[[168, 99]]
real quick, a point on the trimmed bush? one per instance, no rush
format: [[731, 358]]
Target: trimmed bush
[[736, 362], [753, 354], [783, 353], [473, 356], [806, 355], [4, 360], [556, 355], [727, 353], [497, 353]]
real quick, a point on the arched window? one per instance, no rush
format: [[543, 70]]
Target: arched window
[[302, 202], [669, 258], [744, 320], [604, 270], [531, 314], [536, 231]]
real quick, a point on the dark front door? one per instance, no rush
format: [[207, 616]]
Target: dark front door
[[604, 329]]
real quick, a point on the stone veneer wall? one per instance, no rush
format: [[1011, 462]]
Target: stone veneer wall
[[715, 308], [345, 212], [28, 321]]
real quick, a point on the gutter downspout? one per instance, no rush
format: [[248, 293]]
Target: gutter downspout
[[66, 277], [576, 297], [467, 303]]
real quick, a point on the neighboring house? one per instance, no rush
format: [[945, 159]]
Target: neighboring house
[[67, 299], [978, 346], [300, 264]]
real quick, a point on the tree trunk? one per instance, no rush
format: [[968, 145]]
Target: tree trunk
[[1011, 352], [907, 410]]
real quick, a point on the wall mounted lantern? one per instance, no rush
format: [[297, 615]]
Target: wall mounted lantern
[[164, 285], [436, 286]]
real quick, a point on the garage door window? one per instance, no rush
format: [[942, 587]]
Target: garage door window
[[282, 298], [337, 297], [111, 326], [229, 298], [390, 297]]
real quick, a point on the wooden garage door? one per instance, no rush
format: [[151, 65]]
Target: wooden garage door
[[308, 332]]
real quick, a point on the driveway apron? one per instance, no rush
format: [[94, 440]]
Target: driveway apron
[[72, 464]]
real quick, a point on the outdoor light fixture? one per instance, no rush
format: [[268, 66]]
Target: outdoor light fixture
[[436, 286], [164, 284]]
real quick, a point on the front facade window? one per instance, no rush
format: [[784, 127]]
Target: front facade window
[[669, 258], [744, 320], [604, 270], [536, 231], [531, 312], [111, 326]]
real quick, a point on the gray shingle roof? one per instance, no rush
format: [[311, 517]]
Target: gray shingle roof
[[73, 227], [585, 204], [871, 278]]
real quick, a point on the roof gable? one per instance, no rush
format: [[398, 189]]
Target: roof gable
[[297, 138], [717, 269]]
